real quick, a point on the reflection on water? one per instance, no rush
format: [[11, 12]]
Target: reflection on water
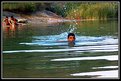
[[44, 52], [11, 31], [110, 58], [99, 74]]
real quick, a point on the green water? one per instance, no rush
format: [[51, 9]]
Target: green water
[[32, 64]]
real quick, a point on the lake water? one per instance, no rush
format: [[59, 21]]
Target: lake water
[[42, 51]]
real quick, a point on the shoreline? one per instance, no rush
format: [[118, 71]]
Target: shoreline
[[43, 18]]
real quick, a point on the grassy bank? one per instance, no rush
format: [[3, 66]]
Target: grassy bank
[[95, 10], [24, 7], [72, 10]]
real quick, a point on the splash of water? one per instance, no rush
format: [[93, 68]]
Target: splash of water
[[61, 39], [71, 28]]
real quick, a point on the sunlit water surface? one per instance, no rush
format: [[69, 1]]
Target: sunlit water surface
[[37, 51]]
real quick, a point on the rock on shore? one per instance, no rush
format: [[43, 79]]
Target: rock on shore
[[35, 17]]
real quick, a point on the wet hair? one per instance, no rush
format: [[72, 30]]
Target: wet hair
[[71, 34], [11, 16]]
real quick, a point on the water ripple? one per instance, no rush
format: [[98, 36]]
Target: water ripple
[[60, 40], [104, 48]]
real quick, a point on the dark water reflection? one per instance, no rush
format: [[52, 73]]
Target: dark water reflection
[[42, 51]]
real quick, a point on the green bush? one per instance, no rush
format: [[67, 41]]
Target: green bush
[[19, 7]]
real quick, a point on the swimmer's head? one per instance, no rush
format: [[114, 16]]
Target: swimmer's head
[[71, 37]]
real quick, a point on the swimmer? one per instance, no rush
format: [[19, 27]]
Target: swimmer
[[71, 39]]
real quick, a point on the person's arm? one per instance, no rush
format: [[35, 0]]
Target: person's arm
[[4, 20], [3, 23], [16, 20]]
